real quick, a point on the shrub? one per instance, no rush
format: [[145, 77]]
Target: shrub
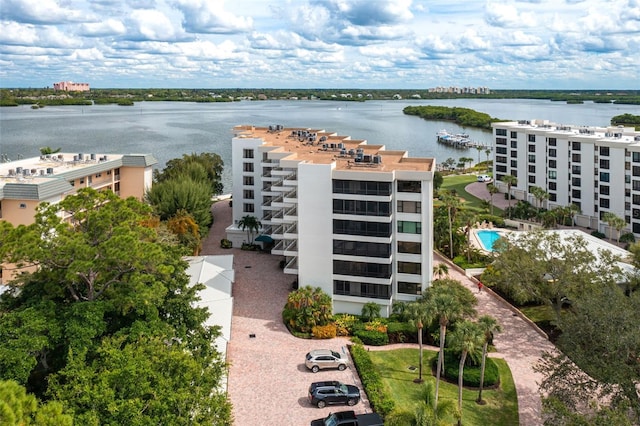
[[379, 397], [306, 308], [401, 332], [324, 331], [370, 311], [471, 375], [345, 324], [628, 238], [598, 234], [376, 325], [372, 337], [225, 244]]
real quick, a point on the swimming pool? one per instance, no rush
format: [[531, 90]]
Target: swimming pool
[[487, 237]]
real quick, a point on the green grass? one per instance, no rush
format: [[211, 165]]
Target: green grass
[[538, 314], [458, 183], [502, 403]]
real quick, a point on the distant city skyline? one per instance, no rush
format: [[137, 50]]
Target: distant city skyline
[[368, 44]]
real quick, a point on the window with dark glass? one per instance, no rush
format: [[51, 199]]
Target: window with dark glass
[[635, 170], [576, 193], [501, 150], [362, 269], [248, 194], [361, 248], [636, 199], [532, 158], [532, 138], [552, 142], [552, 197], [604, 189], [532, 179], [247, 167], [604, 164], [514, 144], [501, 141], [501, 159], [576, 170], [604, 202], [410, 247], [532, 169], [501, 132], [604, 176], [635, 184], [604, 150], [532, 148], [635, 157], [514, 163], [247, 180], [514, 135], [409, 268], [361, 187], [552, 152], [409, 288], [409, 186], [248, 208], [576, 181], [553, 164], [360, 207], [356, 227], [358, 289], [500, 168], [514, 154], [553, 186], [576, 158], [575, 146], [247, 153]]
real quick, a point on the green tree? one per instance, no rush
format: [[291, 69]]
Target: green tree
[[510, 181], [47, 150], [492, 191], [467, 338], [210, 163], [488, 325], [18, 408], [452, 204], [437, 180], [487, 152], [370, 311], [614, 222], [544, 267], [251, 224], [449, 301], [419, 314], [441, 270], [540, 195], [306, 308]]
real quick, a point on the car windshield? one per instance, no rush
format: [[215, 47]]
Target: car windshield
[[335, 354], [331, 420], [309, 355], [344, 389]]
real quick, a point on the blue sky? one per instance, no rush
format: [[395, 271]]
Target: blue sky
[[403, 44]]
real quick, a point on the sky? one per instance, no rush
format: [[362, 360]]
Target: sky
[[306, 44]]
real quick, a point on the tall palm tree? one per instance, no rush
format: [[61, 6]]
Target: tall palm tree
[[251, 224], [479, 148], [492, 191], [447, 306], [489, 326], [452, 203], [509, 180], [466, 338], [540, 195], [614, 222], [419, 313]]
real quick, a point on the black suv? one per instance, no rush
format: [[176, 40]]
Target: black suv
[[322, 394]]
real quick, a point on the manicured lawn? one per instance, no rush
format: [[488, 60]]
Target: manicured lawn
[[538, 314], [502, 403], [458, 183]]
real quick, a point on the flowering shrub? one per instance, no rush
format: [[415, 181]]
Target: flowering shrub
[[324, 331]]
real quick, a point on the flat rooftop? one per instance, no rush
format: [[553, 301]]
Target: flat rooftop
[[322, 147], [617, 134]]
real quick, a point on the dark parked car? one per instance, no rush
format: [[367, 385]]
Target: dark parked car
[[322, 394], [321, 359]]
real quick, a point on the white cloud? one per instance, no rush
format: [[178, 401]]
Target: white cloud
[[150, 24], [40, 12], [18, 34], [209, 16], [507, 15], [108, 27]]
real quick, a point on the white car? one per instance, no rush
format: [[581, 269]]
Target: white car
[[484, 178]]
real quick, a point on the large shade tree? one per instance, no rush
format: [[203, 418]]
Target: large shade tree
[[102, 274]]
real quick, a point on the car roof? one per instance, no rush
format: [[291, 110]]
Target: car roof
[[317, 352]]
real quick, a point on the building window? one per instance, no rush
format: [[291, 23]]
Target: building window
[[501, 132], [635, 184], [576, 170], [552, 152], [532, 158], [532, 148], [532, 179], [247, 180], [552, 197], [409, 268], [409, 186], [576, 193], [409, 206], [604, 150], [406, 227], [553, 164], [23, 206], [552, 142], [604, 176], [361, 269], [514, 163], [635, 170], [247, 167], [366, 229], [604, 189], [248, 194], [501, 141], [575, 146], [514, 135], [411, 247], [359, 248], [636, 199], [363, 208], [248, 208], [553, 186], [361, 188], [409, 288], [553, 174], [532, 169], [604, 164], [576, 181], [247, 153], [532, 138], [627, 179], [514, 154], [501, 150], [576, 158], [604, 202], [514, 144], [501, 159], [373, 291], [635, 156]]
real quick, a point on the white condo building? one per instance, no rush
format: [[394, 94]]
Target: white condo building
[[595, 168], [351, 218]]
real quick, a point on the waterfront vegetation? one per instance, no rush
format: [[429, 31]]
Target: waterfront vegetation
[[464, 117]]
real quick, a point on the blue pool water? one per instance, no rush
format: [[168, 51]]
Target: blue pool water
[[487, 238]]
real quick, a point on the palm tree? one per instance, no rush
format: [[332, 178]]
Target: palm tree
[[447, 306], [441, 270], [425, 414], [540, 195], [465, 160], [419, 313], [492, 191], [509, 180], [479, 148], [488, 325], [466, 338], [614, 222], [452, 203], [251, 224], [487, 151]]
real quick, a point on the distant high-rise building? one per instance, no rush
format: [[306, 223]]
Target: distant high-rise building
[[69, 86]]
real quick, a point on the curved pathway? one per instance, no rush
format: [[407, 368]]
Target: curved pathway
[[268, 381]]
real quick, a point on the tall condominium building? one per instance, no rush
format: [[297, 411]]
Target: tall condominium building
[[70, 86], [595, 168], [25, 183], [351, 218]]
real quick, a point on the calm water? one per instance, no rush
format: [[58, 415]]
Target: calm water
[[170, 129]]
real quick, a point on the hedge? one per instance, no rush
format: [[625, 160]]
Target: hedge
[[372, 337], [379, 397], [471, 376]]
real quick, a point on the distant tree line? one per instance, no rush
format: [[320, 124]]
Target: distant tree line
[[463, 116], [626, 119]]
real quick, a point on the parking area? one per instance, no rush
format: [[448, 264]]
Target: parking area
[[268, 381]]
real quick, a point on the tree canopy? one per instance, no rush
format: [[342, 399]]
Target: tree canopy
[[107, 302]]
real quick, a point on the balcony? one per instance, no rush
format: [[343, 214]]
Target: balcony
[[291, 213], [291, 247], [291, 231], [292, 266], [291, 196], [278, 249]]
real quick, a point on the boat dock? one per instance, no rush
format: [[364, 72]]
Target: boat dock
[[458, 140]]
